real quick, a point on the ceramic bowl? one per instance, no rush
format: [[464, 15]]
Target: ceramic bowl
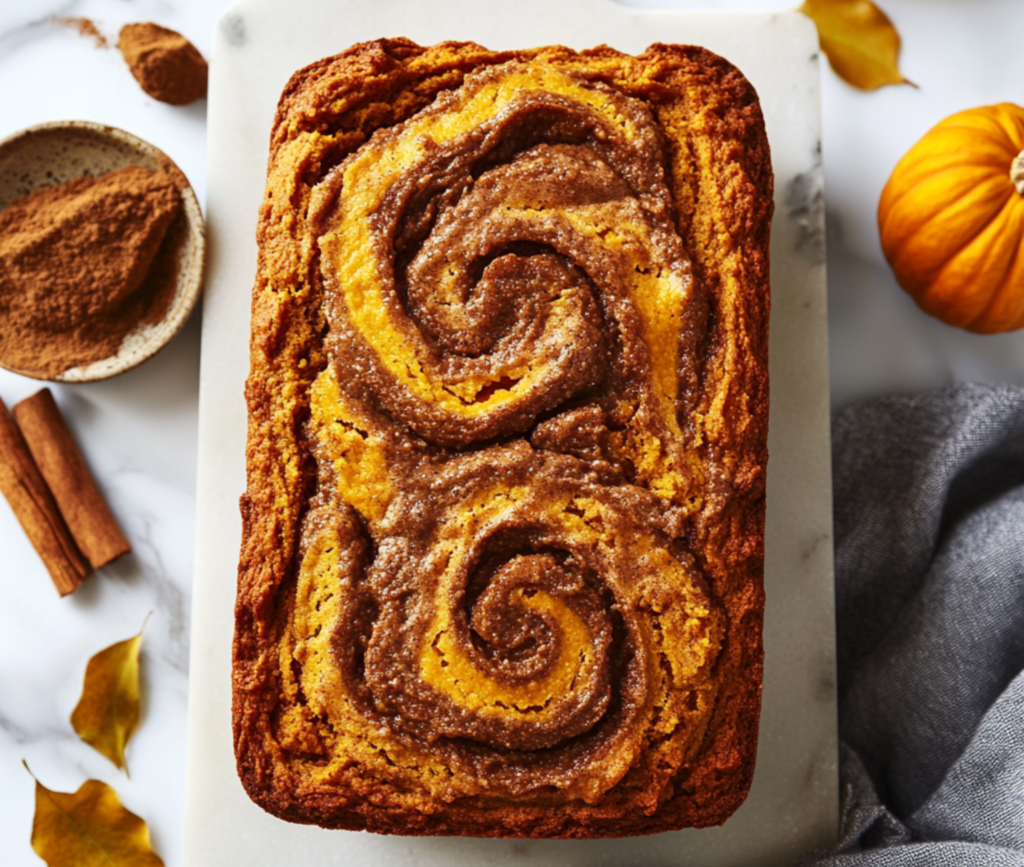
[[58, 152]]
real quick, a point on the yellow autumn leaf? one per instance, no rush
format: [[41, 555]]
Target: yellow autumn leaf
[[89, 828], [859, 41], [108, 711]]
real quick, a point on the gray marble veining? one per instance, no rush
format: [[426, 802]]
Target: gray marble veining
[[138, 434]]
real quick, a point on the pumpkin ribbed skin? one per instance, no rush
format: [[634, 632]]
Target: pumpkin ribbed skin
[[952, 221]]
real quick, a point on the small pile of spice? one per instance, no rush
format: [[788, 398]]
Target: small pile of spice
[[83, 264], [165, 64]]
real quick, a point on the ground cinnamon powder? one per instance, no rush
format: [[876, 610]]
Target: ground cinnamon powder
[[84, 263], [165, 64], [84, 26]]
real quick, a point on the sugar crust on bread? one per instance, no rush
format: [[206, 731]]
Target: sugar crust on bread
[[501, 570]]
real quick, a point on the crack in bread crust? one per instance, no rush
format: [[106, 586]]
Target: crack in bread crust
[[501, 571]]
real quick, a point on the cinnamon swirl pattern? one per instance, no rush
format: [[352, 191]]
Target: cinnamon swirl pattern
[[501, 568]]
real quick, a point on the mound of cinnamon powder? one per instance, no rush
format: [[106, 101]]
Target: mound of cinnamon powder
[[165, 64], [84, 263]]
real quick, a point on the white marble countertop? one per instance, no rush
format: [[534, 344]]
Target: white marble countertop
[[138, 431]]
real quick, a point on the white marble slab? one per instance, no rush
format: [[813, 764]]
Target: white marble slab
[[793, 802], [138, 435]]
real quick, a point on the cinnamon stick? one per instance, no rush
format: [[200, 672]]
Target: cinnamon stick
[[36, 510], [85, 511]]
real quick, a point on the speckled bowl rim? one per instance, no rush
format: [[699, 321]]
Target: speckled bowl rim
[[190, 279]]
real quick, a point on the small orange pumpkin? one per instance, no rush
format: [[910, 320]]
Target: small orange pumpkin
[[951, 219]]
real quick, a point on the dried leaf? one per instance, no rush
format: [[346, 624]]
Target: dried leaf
[[108, 711], [89, 828], [859, 41]]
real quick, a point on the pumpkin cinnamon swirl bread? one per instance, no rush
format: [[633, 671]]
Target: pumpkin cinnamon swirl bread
[[502, 562]]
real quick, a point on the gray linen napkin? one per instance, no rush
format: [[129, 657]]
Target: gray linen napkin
[[929, 528]]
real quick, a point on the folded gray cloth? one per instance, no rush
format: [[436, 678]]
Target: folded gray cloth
[[929, 528]]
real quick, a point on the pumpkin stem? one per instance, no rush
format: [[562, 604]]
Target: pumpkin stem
[[1017, 173]]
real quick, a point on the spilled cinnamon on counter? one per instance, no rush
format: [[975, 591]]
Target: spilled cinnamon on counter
[[165, 64], [83, 264], [84, 27]]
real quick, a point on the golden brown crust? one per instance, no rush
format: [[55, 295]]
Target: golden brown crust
[[342, 715]]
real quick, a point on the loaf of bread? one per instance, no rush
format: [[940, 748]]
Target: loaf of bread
[[501, 572]]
